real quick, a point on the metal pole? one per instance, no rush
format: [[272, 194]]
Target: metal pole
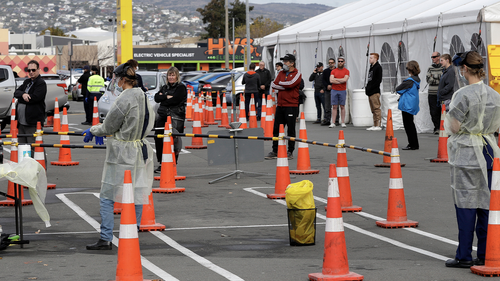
[[23, 36], [249, 56], [227, 34], [234, 48]]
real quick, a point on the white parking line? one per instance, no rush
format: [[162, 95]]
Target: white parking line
[[360, 230], [79, 211]]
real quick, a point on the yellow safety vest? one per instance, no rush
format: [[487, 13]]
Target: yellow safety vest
[[96, 82]]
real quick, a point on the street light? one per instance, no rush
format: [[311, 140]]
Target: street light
[[113, 20]]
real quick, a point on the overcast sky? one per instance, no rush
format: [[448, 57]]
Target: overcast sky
[[333, 3]]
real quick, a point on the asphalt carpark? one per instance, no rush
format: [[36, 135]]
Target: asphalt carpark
[[229, 230]]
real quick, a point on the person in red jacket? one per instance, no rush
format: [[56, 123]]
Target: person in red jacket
[[287, 83]]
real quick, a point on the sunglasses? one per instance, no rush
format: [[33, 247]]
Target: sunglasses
[[341, 61], [433, 57], [32, 70]]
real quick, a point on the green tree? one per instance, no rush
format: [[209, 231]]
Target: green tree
[[259, 28], [56, 31], [214, 14]]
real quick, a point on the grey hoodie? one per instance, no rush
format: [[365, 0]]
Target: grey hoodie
[[251, 80]]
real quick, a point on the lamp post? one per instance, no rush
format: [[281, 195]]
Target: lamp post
[[249, 55], [227, 35], [113, 20]]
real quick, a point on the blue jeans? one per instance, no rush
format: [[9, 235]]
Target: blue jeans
[[108, 220]]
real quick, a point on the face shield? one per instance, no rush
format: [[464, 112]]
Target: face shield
[[459, 60]]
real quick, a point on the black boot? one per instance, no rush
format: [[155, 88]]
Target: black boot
[[100, 245]]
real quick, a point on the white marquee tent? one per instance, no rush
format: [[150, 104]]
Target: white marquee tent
[[399, 30]]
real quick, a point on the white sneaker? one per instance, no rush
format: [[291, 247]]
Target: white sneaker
[[377, 129], [370, 129], [331, 125], [343, 125]]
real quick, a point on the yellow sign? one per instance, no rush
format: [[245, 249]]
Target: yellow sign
[[124, 30]]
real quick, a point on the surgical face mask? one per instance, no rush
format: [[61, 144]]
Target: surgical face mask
[[118, 88], [462, 78], [286, 67]]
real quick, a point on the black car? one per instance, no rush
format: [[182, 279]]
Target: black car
[[219, 85]]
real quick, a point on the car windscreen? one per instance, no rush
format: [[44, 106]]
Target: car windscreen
[[149, 81], [195, 78]]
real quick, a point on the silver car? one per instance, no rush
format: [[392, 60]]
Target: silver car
[[152, 80]]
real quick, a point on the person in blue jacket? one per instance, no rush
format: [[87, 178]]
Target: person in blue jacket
[[408, 103]]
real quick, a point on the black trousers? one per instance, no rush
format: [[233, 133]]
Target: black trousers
[[177, 127], [288, 117], [89, 105], [319, 99], [435, 111], [411, 131]]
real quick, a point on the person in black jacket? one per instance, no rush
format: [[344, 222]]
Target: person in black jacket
[[446, 86], [317, 77], [87, 104], [172, 98], [327, 88], [372, 90], [252, 83], [31, 103], [265, 84]]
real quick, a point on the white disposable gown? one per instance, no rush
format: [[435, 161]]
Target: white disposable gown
[[475, 110], [125, 122]]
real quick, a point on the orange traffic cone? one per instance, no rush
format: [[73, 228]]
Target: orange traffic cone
[[243, 118], [50, 120], [210, 111], [189, 106], [176, 177], [167, 177], [129, 253], [196, 142], [224, 123], [95, 114], [39, 155], [203, 112], [282, 172], [268, 132], [11, 188], [253, 115], [218, 109], [396, 207], [335, 262], [263, 113], [13, 121], [303, 158], [148, 219], [65, 153], [491, 265], [57, 118], [117, 208], [343, 179], [442, 156], [389, 134]]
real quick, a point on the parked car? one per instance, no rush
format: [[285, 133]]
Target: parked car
[[207, 79], [76, 90], [239, 89], [8, 84], [187, 75], [152, 80], [219, 85]]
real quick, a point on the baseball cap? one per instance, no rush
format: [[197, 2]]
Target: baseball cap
[[86, 67], [320, 64], [288, 57]]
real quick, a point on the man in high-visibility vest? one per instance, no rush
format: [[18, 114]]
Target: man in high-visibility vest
[[96, 82]]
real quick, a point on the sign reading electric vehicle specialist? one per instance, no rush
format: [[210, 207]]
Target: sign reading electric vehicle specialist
[[214, 52]]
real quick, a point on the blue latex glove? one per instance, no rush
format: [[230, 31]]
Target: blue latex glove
[[88, 135], [86, 100], [99, 140]]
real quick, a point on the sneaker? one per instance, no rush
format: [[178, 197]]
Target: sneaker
[[370, 129], [436, 132], [331, 125], [344, 125], [100, 245], [377, 129], [318, 121], [158, 170], [325, 123], [290, 155], [271, 155]]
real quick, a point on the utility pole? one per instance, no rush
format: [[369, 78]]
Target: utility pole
[[248, 54], [227, 34]]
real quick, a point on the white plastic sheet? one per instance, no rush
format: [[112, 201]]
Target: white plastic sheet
[[31, 174]]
